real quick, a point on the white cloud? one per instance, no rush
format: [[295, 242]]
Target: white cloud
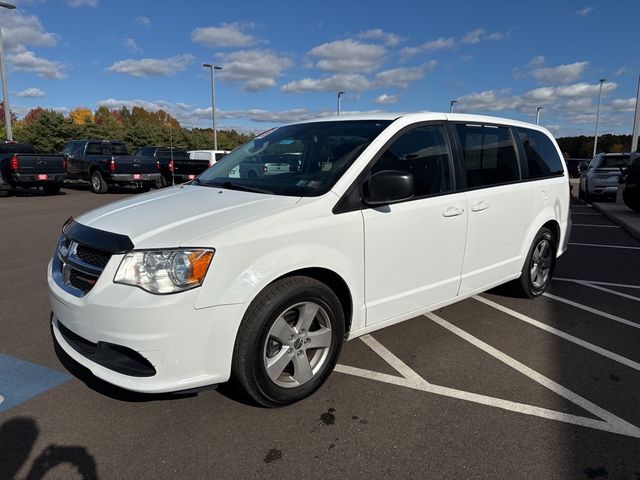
[[348, 56], [144, 21], [439, 44], [24, 30], [27, 61], [402, 77], [623, 71], [564, 73], [351, 82], [389, 39], [255, 69], [624, 104], [30, 92], [585, 11], [82, 3], [226, 35], [481, 35], [152, 66], [537, 61], [385, 99], [131, 44]]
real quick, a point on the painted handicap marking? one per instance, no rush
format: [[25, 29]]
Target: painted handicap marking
[[410, 379], [21, 380]]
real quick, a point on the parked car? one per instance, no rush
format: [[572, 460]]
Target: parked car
[[104, 163], [631, 183], [212, 156], [175, 164], [258, 166], [263, 278], [602, 176], [21, 166]]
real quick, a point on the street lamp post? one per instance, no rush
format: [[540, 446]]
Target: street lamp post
[[451, 104], [538, 115], [595, 140], [5, 90], [636, 122], [213, 101], [339, 95]]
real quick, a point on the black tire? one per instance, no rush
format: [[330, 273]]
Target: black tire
[[632, 200], [161, 183], [525, 286], [277, 302], [98, 185], [51, 189], [580, 192], [144, 187], [4, 189]]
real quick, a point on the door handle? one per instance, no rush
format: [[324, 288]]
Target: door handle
[[480, 206], [453, 212]]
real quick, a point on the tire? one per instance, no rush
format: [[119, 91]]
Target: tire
[[4, 189], [630, 200], [144, 188], [51, 189], [278, 330], [161, 183], [530, 284], [580, 192], [98, 185]]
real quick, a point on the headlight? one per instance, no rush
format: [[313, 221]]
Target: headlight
[[164, 271]]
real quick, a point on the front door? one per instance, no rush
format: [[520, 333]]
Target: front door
[[414, 249]]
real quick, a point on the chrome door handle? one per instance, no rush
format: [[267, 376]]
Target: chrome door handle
[[480, 206], [453, 212]]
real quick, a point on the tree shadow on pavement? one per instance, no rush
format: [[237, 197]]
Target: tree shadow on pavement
[[17, 439]]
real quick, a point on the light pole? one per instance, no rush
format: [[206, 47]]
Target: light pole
[[595, 140], [451, 104], [339, 95], [636, 122], [213, 101], [5, 90], [538, 115]]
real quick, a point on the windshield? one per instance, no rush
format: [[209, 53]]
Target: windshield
[[303, 160], [614, 161]]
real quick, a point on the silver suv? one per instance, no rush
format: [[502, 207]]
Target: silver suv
[[602, 176]]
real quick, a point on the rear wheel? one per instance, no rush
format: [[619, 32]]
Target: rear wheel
[[538, 267], [289, 341], [144, 187], [161, 182], [51, 189], [632, 199], [98, 185]]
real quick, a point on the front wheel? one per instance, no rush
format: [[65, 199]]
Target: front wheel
[[289, 341], [98, 185], [538, 267]]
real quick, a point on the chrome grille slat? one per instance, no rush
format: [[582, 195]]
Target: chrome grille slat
[[78, 267]]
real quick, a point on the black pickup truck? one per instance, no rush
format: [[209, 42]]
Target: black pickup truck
[[21, 166], [104, 163], [175, 164]]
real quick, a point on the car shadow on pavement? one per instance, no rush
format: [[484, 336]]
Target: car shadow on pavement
[[18, 436]]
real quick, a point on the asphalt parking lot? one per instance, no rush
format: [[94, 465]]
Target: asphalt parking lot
[[492, 387]]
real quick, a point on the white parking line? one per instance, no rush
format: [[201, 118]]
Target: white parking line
[[402, 368], [543, 326], [608, 422], [608, 284], [591, 225], [608, 290], [615, 318], [603, 246]]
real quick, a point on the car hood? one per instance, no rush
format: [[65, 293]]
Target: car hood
[[173, 216]]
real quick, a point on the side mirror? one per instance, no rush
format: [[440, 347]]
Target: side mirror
[[389, 186]]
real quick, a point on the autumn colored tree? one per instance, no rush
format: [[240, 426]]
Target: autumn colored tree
[[81, 116]]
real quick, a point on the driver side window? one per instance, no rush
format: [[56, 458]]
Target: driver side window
[[423, 152]]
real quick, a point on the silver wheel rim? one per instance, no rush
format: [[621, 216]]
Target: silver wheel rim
[[541, 263], [96, 182], [297, 346]]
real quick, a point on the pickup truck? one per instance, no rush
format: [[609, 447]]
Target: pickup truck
[[104, 163], [175, 164], [21, 166]]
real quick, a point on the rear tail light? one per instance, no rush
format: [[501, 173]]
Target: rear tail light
[[64, 163], [209, 166], [14, 164], [158, 164], [112, 165], [171, 165]]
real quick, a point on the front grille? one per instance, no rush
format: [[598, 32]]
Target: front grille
[[92, 256], [81, 281]]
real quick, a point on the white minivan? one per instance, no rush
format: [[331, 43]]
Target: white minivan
[[262, 278], [212, 156]]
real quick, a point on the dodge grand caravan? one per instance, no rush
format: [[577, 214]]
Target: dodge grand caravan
[[262, 279]]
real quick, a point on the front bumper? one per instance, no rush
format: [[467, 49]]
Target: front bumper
[[186, 347], [139, 177]]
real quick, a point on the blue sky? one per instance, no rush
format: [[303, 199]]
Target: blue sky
[[284, 61]]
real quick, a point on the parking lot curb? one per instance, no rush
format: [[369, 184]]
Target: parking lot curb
[[621, 219]]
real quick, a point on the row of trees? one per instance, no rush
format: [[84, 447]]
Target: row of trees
[[582, 146], [48, 131]]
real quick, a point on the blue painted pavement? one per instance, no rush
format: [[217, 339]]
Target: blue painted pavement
[[21, 380]]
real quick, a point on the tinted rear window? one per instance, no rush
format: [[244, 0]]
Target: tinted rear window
[[614, 161], [543, 159], [177, 154]]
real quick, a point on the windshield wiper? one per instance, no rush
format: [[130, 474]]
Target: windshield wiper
[[238, 186]]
